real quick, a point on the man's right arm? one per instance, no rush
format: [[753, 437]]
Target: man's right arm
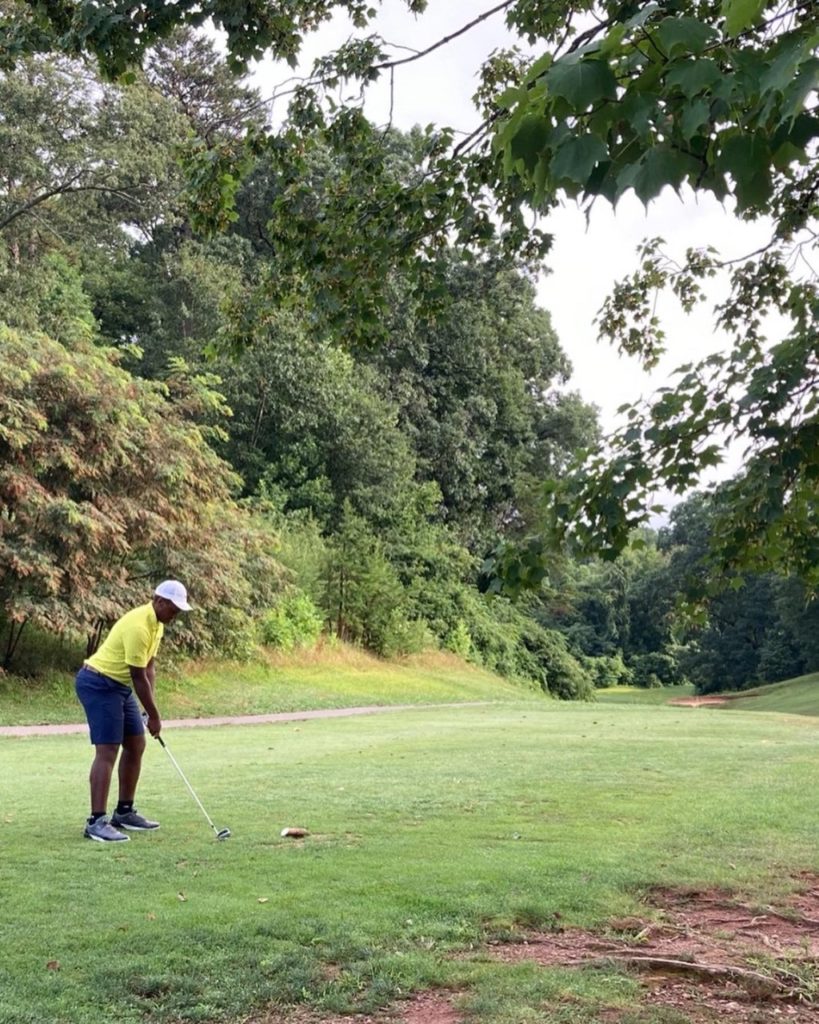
[[145, 691]]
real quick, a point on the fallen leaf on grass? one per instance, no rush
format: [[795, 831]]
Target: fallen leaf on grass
[[53, 965], [182, 897]]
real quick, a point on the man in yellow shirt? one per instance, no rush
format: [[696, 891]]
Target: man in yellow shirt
[[104, 686]]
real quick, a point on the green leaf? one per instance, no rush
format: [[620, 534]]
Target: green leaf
[[530, 139], [781, 72], [803, 85], [576, 158], [582, 83], [509, 98], [612, 41], [679, 36], [694, 115], [639, 109], [694, 76], [788, 154], [746, 159], [741, 14], [540, 67], [657, 168]]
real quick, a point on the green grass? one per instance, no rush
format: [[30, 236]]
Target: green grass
[[324, 678], [792, 697], [432, 830], [641, 695]]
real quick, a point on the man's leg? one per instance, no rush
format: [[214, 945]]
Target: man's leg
[[130, 765], [98, 826], [102, 768], [102, 699]]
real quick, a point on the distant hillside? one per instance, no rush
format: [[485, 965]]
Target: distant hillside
[[798, 696]]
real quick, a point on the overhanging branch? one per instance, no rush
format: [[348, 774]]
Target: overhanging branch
[[442, 42]]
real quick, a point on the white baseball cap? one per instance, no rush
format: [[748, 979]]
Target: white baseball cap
[[174, 591]]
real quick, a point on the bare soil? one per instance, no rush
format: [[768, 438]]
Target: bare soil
[[706, 956]]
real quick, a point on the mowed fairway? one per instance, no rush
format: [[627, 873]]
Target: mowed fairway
[[431, 831]]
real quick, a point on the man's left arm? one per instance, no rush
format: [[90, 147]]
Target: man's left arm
[[150, 672]]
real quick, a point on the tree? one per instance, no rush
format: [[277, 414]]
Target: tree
[[717, 97], [723, 101], [748, 633], [108, 482], [78, 157], [119, 34], [479, 394]]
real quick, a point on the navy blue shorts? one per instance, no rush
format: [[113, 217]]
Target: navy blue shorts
[[110, 707]]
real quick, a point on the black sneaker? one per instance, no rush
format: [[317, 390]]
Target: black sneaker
[[102, 831], [133, 821]]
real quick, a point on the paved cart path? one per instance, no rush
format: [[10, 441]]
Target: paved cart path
[[282, 716]]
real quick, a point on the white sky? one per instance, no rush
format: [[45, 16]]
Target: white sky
[[584, 262]]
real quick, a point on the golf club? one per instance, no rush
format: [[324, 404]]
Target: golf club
[[221, 833]]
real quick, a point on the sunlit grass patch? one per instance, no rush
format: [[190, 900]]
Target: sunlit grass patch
[[325, 677]]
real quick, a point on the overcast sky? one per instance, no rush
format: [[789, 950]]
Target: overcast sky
[[585, 261]]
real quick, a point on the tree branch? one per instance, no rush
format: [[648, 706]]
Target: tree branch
[[63, 190], [37, 200], [444, 41]]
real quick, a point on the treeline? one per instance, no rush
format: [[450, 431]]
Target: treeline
[[642, 620], [160, 415]]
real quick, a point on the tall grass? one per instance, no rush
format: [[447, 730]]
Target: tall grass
[[327, 677]]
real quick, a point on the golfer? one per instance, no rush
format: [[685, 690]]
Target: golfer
[[104, 687]]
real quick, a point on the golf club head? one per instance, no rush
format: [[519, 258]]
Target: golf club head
[[223, 833]]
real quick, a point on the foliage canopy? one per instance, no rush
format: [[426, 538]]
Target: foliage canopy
[[715, 97]]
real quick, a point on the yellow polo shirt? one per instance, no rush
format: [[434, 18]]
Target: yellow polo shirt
[[133, 640]]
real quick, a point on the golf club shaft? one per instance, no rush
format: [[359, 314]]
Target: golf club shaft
[[190, 787]]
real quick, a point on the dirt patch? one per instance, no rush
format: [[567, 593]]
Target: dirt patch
[[708, 954], [431, 1008], [422, 1008]]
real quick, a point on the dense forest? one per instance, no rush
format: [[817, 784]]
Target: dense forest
[[168, 410]]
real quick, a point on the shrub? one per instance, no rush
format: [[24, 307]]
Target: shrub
[[664, 669], [562, 674], [459, 640], [93, 518], [293, 622], [232, 633], [608, 670], [405, 636]]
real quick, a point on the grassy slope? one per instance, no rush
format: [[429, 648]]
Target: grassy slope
[[431, 831], [325, 678], [792, 696]]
